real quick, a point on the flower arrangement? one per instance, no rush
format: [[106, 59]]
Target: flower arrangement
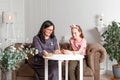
[[11, 57]]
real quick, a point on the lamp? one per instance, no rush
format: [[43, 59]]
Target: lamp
[[8, 18], [100, 22]]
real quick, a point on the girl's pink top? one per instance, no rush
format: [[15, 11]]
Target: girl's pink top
[[76, 45]]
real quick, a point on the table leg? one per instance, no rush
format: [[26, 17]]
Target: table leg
[[81, 69], [66, 70], [46, 69], [60, 69]]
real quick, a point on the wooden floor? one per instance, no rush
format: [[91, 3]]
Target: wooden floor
[[108, 77]]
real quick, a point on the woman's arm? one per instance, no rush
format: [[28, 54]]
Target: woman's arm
[[56, 47], [37, 45]]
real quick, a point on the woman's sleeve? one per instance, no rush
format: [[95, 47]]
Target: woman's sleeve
[[56, 44], [37, 45]]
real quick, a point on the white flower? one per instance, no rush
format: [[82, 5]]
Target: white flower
[[12, 48], [20, 49], [36, 51], [22, 46]]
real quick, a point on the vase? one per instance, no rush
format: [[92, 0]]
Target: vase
[[7, 75], [116, 71]]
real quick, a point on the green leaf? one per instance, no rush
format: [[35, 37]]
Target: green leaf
[[112, 40]]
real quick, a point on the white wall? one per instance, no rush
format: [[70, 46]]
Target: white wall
[[35, 13], [66, 12], [31, 14], [16, 6]]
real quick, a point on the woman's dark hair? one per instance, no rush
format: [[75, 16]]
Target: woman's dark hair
[[45, 24]]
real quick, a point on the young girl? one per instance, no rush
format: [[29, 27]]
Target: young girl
[[77, 46]]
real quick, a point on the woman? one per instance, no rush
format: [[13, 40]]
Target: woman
[[46, 43], [77, 46]]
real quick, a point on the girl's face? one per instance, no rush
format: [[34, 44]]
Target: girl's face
[[48, 31], [75, 33]]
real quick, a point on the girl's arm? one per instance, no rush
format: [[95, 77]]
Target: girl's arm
[[82, 49]]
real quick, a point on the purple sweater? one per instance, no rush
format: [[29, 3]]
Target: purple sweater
[[50, 45]]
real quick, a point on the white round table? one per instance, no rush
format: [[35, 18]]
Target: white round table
[[66, 58]]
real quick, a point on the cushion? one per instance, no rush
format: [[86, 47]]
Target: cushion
[[87, 72]]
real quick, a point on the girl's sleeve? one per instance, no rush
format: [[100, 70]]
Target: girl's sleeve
[[38, 46], [84, 45]]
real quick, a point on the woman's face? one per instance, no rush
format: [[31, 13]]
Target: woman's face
[[75, 33], [48, 31]]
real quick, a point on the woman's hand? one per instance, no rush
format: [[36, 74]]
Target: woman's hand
[[46, 54]]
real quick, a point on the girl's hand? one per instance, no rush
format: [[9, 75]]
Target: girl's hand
[[66, 51]]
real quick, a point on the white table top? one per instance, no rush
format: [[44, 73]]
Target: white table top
[[65, 57]]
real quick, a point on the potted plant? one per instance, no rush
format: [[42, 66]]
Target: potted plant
[[11, 58], [9, 61], [112, 45]]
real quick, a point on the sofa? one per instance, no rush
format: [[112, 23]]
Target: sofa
[[96, 54]]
